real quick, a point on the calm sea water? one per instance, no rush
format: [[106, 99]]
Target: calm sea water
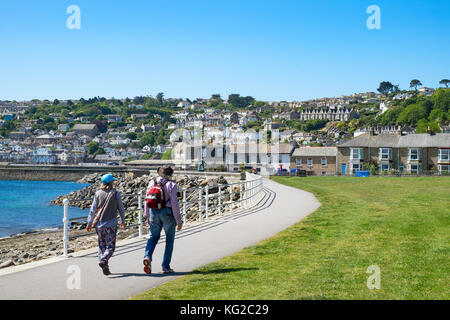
[[25, 205]]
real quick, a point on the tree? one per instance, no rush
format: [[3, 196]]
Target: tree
[[423, 125], [131, 135], [415, 83], [240, 102], [139, 100], [386, 87], [160, 98], [93, 147], [56, 102], [167, 155], [412, 114], [445, 82]]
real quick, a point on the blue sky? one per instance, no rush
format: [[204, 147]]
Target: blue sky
[[271, 50]]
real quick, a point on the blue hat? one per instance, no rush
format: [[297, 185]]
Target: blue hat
[[107, 178]]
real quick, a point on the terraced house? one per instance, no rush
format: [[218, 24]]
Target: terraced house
[[315, 161], [422, 153]]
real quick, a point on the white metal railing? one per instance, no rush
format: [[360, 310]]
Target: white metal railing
[[197, 203]]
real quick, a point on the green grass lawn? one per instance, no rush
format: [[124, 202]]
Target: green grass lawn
[[401, 225]]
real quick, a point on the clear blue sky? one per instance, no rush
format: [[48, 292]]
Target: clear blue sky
[[271, 50]]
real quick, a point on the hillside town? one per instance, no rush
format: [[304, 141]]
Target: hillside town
[[327, 136]]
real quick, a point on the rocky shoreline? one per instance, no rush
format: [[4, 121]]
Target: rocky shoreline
[[33, 246]]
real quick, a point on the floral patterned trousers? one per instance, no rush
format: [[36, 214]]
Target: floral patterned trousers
[[106, 243]]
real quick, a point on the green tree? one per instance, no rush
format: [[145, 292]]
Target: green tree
[[167, 155], [240, 102], [160, 98], [423, 125], [445, 82], [386, 87], [412, 114], [131, 135], [415, 83], [92, 147], [100, 151], [441, 99], [437, 115]]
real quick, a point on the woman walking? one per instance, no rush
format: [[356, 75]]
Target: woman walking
[[103, 217], [163, 212]]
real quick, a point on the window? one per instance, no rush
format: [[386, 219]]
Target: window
[[385, 167], [414, 154], [310, 162], [444, 169], [414, 168], [444, 155], [324, 161], [356, 167], [298, 161], [324, 173], [356, 153], [385, 153]]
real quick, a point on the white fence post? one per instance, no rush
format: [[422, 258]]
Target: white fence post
[[140, 213], [241, 195], [66, 227], [184, 206], [231, 197], [220, 200], [200, 191], [207, 201]]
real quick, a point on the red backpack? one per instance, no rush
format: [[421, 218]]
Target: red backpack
[[155, 196]]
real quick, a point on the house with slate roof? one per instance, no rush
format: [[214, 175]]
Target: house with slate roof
[[421, 153]]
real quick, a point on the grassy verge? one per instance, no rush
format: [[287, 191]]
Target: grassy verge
[[401, 225]]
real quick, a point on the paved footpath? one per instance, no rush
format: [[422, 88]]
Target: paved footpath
[[277, 208]]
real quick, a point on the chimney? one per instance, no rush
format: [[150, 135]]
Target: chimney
[[429, 131], [399, 130], [371, 131]]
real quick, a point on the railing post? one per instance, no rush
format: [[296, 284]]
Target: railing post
[[184, 206], [251, 191], [241, 195], [66, 227], [247, 192], [231, 197], [200, 191], [220, 200], [140, 213], [207, 201]]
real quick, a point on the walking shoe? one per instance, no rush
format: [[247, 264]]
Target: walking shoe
[[147, 265], [105, 268], [166, 271]]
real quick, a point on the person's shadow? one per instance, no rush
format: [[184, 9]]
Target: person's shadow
[[160, 275]]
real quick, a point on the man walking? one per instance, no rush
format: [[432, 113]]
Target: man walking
[[163, 212]]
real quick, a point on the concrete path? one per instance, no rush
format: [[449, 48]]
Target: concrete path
[[277, 208]]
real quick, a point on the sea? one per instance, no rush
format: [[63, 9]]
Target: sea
[[25, 205]]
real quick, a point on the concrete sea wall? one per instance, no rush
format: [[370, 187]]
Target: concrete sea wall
[[74, 173]]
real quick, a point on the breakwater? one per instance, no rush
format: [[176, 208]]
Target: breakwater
[[74, 172]]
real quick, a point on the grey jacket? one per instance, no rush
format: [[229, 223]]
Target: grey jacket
[[110, 211]]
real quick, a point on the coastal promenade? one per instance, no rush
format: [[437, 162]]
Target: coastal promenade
[[79, 277]]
